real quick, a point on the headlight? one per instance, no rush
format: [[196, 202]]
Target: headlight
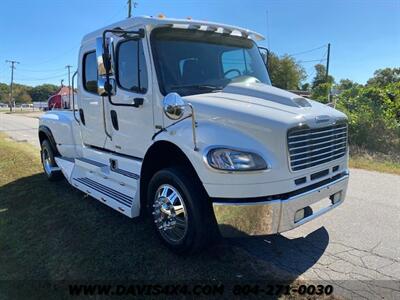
[[235, 160]]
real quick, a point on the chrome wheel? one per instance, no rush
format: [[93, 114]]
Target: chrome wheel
[[169, 214], [46, 159]]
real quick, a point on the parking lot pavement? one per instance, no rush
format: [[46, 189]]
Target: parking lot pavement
[[20, 127]]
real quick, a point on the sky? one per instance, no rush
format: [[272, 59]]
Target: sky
[[44, 35]]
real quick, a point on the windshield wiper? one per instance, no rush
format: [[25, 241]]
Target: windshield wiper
[[201, 87]]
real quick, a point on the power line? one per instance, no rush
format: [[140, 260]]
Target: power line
[[319, 62], [313, 60], [307, 51], [41, 71], [26, 79], [54, 57]]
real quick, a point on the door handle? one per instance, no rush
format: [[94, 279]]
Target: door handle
[[114, 119], [138, 102], [82, 116]]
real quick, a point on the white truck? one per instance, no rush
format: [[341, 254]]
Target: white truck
[[178, 119]]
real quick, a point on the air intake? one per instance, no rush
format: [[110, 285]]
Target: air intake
[[312, 147]]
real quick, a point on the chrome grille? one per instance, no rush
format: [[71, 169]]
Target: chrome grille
[[312, 147]]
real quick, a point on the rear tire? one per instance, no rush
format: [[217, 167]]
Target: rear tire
[[48, 162], [181, 211]]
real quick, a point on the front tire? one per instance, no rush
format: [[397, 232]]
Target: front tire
[[48, 162], [181, 211]]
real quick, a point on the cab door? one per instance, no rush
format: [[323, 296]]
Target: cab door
[[90, 104], [130, 112]]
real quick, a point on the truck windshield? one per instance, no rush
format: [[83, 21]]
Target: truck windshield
[[193, 61]]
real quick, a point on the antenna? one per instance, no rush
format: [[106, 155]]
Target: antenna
[[268, 44]]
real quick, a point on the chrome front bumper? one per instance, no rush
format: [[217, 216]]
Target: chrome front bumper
[[274, 216]]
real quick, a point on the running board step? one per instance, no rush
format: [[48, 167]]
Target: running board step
[[113, 198], [66, 165], [91, 165], [114, 194]]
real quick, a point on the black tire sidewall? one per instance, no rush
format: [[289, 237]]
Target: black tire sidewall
[[194, 200], [49, 149]]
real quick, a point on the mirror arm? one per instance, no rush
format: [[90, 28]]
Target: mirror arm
[[73, 97], [194, 125], [104, 117], [268, 53]]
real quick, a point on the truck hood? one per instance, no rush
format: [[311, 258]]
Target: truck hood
[[258, 100]]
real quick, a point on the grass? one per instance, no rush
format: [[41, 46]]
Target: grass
[[51, 231], [362, 159]]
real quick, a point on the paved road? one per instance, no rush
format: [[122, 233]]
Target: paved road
[[357, 245], [20, 127]]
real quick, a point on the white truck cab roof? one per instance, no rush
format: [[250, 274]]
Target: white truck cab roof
[[177, 23]]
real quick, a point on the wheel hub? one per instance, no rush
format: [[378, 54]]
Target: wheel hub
[[46, 161], [169, 213]]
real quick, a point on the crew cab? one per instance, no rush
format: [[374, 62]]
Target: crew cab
[[177, 119]]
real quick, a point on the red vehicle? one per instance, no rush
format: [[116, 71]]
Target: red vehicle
[[60, 99]]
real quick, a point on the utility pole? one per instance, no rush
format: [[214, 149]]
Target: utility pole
[[327, 62], [69, 83], [130, 7], [13, 63], [328, 55]]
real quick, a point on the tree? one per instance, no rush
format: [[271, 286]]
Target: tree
[[321, 84], [305, 87], [21, 93], [346, 84], [42, 92], [4, 92], [285, 72], [22, 96], [383, 77], [320, 76]]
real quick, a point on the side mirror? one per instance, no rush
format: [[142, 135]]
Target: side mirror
[[264, 54], [104, 54], [174, 106]]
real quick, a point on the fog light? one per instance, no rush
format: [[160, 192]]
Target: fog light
[[335, 198], [299, 215]]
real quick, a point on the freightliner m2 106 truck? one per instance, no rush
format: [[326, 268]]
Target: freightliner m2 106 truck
[[178, 120]]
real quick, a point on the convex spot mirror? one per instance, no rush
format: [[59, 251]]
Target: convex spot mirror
[[106, 87], [174, 106]]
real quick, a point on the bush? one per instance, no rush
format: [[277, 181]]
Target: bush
[[374, 117]]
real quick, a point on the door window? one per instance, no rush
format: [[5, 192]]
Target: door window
[[90, 72], [131, 67]]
